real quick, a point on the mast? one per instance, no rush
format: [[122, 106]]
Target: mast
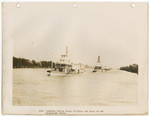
[[66, 50]]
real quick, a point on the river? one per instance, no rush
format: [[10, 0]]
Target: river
[[33, 87]]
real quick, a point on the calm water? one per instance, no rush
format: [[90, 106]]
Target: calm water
[[32, 87]]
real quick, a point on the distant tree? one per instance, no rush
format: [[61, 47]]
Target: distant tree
[[39, 65], [15, 62], [34, 64], [26, 63], [131, 68], [46, 64]]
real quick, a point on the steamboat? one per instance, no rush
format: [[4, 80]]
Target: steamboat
[[99, 67], [65, 65]]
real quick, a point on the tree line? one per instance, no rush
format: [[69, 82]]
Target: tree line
[[26, 63], [131, 68]]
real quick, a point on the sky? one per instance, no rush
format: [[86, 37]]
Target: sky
[[42, 32]]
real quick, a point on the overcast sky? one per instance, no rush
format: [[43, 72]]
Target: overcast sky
[[89, 31]]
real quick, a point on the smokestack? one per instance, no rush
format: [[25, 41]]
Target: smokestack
[[98, 59], [66, 50]]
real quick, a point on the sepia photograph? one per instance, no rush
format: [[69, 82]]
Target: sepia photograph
[[76, 54], [84, 79]]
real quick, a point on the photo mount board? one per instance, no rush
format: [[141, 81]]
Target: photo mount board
[[15, 18]]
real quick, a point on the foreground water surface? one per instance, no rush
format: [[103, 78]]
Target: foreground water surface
[[33, 87]]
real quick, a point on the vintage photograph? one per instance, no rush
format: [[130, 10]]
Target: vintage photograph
[[80, 58], [66, 82], [75, 60]]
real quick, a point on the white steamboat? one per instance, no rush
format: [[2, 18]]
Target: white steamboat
[[65, 65]]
